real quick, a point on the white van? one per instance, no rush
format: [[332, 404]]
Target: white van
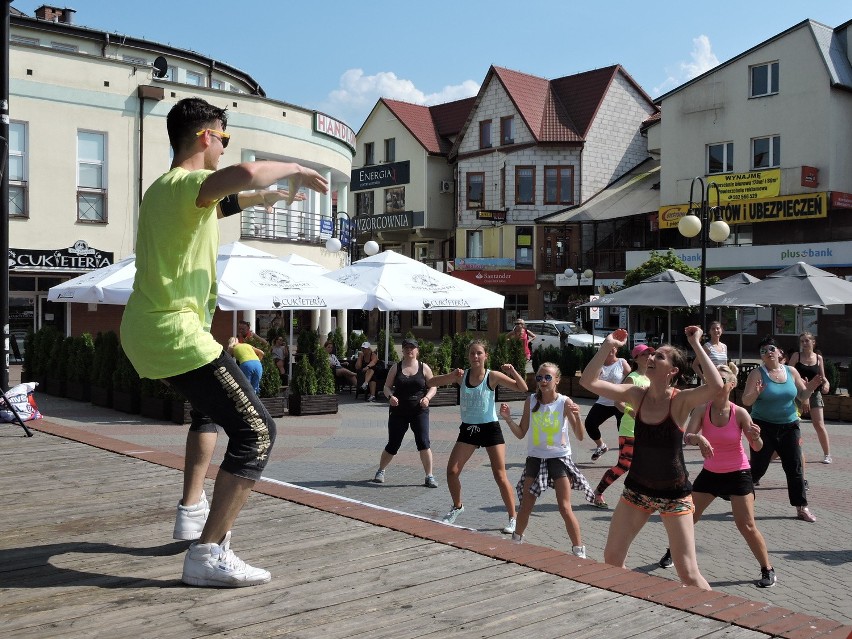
[[558, 333]]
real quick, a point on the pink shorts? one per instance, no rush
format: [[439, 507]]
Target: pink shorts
[[663, 505]]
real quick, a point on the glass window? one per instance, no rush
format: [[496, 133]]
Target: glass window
[[171, 73], [507, 130], [132, 59], [474, 244], [523, 247], [64, 46], [195, 79], [395, 199], [364, 203], [764, 79], [369, 153], [766, 152], [91, 176], [516, 305], [475, 190], [477, 320], [720, 158], [421, 319], [559, 185], [217, 84], [390, 150], [525, 185], [485, 134], [18, 169]]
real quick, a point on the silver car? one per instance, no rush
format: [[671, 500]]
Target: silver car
[[558, 333]]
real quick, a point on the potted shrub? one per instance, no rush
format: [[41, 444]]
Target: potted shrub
[[125, 385], [80, 361], [270, 387], [508, 351], [312, 389], [57, 376], [103, 365], [440, 360], [177, 408], [152, 398]]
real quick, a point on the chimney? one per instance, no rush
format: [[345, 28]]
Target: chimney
[[55, 14]]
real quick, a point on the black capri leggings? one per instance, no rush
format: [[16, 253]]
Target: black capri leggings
[[221, 392], [398, 425], [598, 414]]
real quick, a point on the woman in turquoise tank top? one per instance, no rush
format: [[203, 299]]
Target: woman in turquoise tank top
[[771, 390], [480, 427]]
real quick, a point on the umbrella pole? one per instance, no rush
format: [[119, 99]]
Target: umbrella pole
[[290, 358], [387, 335]]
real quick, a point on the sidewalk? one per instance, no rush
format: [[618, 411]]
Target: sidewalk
[[338, 454]]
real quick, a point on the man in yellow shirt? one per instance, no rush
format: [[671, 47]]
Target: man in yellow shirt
[[165, 330]]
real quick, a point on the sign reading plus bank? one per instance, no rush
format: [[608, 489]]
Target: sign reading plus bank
[[495, 279]]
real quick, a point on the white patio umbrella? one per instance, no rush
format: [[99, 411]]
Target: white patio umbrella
[[108, 285], [394, 282], [669, 289]]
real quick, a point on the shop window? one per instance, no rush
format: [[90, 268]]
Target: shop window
[[91, 177], [523, 247], [395, 199], [364, 203], [477, 320], [516, 305]]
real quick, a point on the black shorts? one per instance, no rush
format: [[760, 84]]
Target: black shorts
[[737, 483], [555, 467], [481, 435]]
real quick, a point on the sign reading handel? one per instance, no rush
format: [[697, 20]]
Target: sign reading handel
[[775, 209], [80, 257], [754, 185], [380, 175]]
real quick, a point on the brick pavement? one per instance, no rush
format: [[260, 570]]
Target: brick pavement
[[339, 454]]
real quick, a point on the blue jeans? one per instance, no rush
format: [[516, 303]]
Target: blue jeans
[[253, 369], [220, 394]]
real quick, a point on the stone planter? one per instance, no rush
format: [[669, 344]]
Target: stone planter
[[579, 391], [153, 407], [101, 396], [81, 391], [506, 395], [446, 396], [178, 411], [125, 402], [832, 407], [309, 404]]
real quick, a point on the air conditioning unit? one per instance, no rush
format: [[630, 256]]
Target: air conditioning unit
[[446, 186]]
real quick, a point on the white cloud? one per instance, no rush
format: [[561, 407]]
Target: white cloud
[[702, 59], [357, 93]]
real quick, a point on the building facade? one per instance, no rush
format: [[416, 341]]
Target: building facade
[[88, 134]]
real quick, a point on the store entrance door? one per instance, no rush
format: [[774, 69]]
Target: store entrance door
[[52, 314]]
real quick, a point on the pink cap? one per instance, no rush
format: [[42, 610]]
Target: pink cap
[[639, 349]]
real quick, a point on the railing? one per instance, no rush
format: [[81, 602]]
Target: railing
[[290, 225]]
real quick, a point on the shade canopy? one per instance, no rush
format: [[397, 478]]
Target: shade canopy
[[735, 281], [669, 289], [798, 285]]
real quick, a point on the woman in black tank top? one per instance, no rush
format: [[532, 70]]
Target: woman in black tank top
[[809, 364], [657, 479]]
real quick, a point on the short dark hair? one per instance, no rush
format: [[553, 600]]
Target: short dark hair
[[767, 341], [189, 116]]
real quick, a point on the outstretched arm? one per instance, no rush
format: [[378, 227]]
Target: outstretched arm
[[453, 377], [248, 176]]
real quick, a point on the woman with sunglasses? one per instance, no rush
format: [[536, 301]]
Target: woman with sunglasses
[[809, 363], [545, 418], [641, 354], [480, 428], [772, 390], [717, 429], [657, 480]]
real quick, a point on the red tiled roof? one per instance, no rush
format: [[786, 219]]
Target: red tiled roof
[[432, 126], [651, 119]]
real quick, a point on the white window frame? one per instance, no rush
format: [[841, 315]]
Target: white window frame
[[727, 162], [475, 243], [88, 193], [194, 74], [774, 143], [772, 77], [18, 156]]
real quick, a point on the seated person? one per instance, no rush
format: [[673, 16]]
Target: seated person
[[281, 354], [366, 365], [337, 368]]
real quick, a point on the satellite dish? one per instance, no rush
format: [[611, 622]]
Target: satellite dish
[[161, 67]]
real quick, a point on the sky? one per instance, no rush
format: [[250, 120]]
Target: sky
[[341, 56]]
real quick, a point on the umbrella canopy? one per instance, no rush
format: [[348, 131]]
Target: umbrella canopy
[[734, 282], [669, 289], [798, 285], [394, 282], [249, 279]]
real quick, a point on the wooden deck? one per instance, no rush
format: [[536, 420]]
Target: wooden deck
[[86, 551]]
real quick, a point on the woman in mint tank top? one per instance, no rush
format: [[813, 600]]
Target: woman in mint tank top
[[771, 390], [480, 428]]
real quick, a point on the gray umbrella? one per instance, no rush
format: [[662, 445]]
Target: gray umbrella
[[798, 285], [734, 282], [669, 289]]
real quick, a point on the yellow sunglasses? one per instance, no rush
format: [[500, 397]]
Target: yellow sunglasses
[[224, 137]]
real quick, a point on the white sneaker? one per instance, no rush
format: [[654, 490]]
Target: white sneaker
[[510, 527], [215, 565], [190, 520], [450, 517], [579, 551], [826, 459]]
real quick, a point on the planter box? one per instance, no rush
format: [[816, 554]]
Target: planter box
[[153, 407], [309, 404], [55, 386], [81, 391], [579, 391], [277, 405], [178, 411], [101, 396], [446, 396], [506, 395], [125, 402], [832, 407]]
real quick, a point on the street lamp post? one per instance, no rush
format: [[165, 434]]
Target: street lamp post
[[697, 220], [588, 274]]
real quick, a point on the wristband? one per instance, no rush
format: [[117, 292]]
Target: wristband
[[230, 205]]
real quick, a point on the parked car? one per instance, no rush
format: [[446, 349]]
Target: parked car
[[558, 333]]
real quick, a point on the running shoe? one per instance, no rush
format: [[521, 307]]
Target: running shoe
[[450, 517], [380, 477], [767, 578], [510, 527], [600, 450], [804, 514], [826, 459], [430, 482], [666, 561], [579, 551]]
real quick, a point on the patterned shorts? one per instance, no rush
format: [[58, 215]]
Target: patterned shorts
[[663, 505]]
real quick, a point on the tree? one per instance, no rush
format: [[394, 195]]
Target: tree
[[658, 263]]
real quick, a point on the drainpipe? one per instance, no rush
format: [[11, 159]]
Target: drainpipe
[[151, 93]]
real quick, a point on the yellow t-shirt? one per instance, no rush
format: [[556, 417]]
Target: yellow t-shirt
[[165, 330], [244, 353]]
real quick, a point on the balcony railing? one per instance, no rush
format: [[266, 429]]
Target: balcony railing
[[286, 225]]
